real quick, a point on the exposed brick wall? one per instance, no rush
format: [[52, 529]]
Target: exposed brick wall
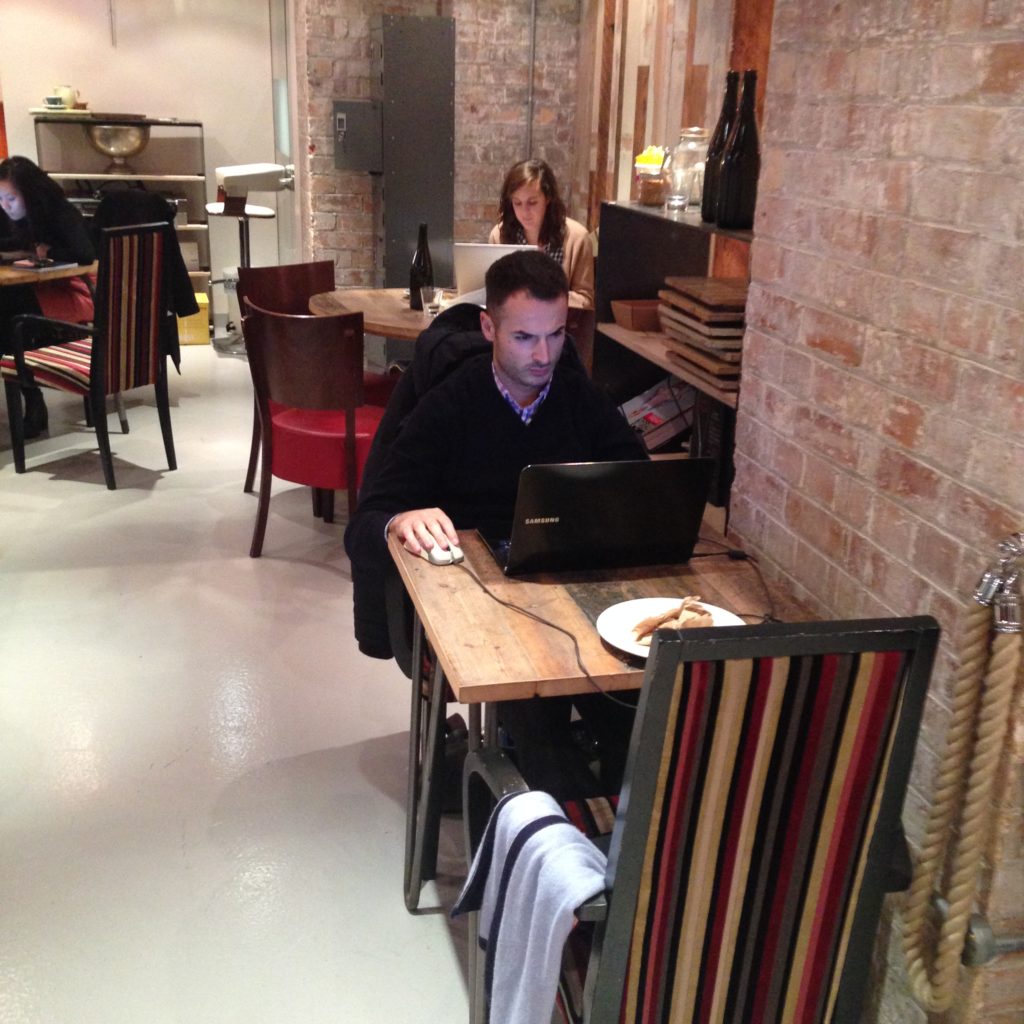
[[343, 210], [880, 436], [491, 91]]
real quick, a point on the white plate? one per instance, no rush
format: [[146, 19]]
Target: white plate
[[615, 624]]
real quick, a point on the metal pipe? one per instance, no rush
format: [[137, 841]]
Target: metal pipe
[[529, 85]]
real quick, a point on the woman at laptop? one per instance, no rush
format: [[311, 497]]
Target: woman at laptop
[[531, 212], [36, 218]]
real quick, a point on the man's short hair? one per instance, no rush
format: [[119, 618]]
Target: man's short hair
[[528, 270]]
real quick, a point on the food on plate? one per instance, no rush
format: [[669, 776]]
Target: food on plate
[[690, 614]]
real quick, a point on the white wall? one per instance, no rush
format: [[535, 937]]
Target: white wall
[[203, 60]]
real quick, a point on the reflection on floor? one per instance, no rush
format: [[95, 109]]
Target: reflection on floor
[[201, 779]]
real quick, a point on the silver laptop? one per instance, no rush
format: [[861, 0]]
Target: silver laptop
[[471, 260], [600, 515]]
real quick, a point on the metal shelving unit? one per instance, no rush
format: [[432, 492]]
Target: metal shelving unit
[[173, 164]]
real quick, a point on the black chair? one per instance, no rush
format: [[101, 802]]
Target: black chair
[[122, 350], [136, 206]]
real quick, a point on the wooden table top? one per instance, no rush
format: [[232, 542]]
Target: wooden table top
[[490, 652], [384, 310], [22, 275]]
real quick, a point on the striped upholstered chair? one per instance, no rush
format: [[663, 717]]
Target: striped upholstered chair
[[759, 824], [122, 350]]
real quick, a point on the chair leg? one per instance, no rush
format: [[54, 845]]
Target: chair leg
[[163, 409], [351, 464], [426, 767], [263, 508], [99, 416], [16, 421], [254, 450], [122, 413], [417, 744], [328, 506], [318, 502]]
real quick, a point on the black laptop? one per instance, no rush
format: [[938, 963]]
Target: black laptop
[[600, 515]]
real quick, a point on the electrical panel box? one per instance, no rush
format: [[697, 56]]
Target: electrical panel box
[[356, 130], [414, 77]]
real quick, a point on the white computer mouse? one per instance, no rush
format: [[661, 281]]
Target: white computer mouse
[[438, 555]]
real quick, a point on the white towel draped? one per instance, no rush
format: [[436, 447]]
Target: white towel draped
[[530, 873]]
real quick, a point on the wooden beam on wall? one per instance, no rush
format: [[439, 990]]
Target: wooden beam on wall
[[643, 79], [695, 78], [582, 177], [623, 20], [751, 41], [604, 101]]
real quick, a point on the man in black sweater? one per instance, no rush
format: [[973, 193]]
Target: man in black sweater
[[455, 461]]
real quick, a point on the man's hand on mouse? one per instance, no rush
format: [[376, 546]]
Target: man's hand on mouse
[[420, 529]]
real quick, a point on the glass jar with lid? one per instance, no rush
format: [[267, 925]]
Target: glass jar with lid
[[684, 167], [651, 181]]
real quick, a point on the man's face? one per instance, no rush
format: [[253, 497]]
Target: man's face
[[527, 335]]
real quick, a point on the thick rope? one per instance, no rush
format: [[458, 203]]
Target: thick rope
[[977, 728]]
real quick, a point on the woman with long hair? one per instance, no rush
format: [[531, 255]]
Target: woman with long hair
[[531, 212], [36, 218]]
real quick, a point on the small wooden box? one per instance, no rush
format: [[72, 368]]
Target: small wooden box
[[636, 314]]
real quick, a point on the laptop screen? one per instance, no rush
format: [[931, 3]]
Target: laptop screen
[[471, 260], [596, 515]]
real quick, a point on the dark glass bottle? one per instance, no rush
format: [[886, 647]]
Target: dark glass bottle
[[741, 164], [713, 163], [421, 273]]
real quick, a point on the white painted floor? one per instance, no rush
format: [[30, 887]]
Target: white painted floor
[[202, 781]]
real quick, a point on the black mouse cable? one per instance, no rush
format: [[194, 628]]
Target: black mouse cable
[[739, 555], [552, 625]]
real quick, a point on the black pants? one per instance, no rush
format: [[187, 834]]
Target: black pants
[[546, 753], [15, 299]]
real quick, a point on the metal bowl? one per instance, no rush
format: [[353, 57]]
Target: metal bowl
[[118, 141]]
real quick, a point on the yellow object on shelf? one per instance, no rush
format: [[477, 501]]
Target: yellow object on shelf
[[195, 329], [652, 156]]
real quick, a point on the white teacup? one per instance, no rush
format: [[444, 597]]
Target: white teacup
[[55, 102], [68, 97]]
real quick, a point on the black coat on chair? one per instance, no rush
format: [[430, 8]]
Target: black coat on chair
[[136, 206]]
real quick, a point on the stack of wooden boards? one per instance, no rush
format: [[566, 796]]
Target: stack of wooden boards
[[703, 319]]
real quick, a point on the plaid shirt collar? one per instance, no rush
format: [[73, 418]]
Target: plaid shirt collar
[[526, 414], [556, 252]]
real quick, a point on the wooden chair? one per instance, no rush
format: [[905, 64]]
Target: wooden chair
[[758, 827], [122, 350], [307, 372], [287, 289]]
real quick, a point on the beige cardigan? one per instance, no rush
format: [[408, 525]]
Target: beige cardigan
[[577, 261]]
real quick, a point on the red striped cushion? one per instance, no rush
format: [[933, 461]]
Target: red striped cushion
[[594, 816], [64, 367]]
